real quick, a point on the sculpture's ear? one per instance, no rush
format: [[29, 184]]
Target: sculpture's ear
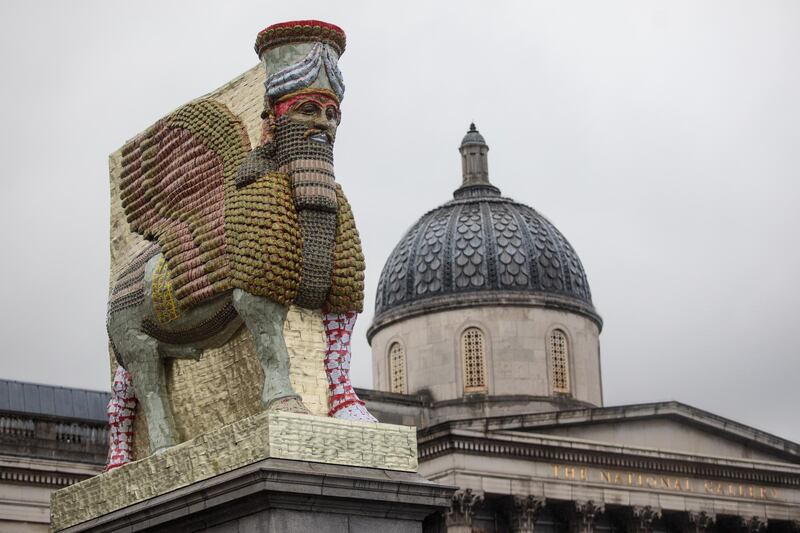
[[259, 162]]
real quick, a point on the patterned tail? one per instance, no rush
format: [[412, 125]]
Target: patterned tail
[[344, 402], [121, 412]]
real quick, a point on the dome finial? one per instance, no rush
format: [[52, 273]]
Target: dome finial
[[475, 165]]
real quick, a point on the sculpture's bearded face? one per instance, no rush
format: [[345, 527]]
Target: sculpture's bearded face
[[318, 113], [305, 130]]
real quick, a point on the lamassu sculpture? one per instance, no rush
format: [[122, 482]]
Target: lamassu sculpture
[[237, 235]]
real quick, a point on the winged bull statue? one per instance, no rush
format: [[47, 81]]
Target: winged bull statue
[[236, 235]]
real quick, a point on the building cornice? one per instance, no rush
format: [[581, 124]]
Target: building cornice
[[615, 414], [445, 440], [44, 472], [485, 298]]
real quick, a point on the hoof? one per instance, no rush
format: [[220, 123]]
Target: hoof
[[288, 404], [354, 411]]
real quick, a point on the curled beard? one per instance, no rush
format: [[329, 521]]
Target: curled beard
[[308, 163]]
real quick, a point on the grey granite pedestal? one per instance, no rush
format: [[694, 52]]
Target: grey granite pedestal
[[282, 496]]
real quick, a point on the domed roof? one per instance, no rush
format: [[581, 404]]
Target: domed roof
[[473, 136], [480, 249]]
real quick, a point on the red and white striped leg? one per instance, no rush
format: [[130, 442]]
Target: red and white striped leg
[[344, 402], [121, 412]]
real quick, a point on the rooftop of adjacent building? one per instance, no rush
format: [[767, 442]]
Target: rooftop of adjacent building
[[50, 423], [52, 401]]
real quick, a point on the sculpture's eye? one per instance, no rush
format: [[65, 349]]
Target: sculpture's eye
[[309, 108], [331, 113]]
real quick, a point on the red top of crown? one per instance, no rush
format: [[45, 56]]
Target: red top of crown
[[299, 31]]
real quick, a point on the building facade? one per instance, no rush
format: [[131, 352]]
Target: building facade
[[486, 338], [50, 438]]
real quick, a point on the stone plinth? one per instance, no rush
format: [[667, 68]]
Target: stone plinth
[[377, 459], [281, 496]]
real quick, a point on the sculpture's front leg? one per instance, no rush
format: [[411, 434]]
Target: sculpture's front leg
[[264, 318], [344, 402]]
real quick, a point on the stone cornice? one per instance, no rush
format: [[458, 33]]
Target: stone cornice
[[44, 472], [573, 451], [36, 477], [615, 414], [424, 401], [488, 298]]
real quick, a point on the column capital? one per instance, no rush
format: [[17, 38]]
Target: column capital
[[584, 515], [524, 511], [641, 518], [462, 507], [754, 524], [699, 521]]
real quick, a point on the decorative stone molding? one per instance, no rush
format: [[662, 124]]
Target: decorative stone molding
[[442, 443], [524, 512], [462, 508], [754, 524], [699, 521], [584, 515], [39, 477]]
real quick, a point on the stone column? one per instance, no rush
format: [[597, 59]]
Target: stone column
[[584, 515], [462, 510], [524, 511], [699, 521], [640, 518]]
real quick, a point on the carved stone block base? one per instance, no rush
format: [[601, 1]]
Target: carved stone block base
[[264, 436], [280, 496]]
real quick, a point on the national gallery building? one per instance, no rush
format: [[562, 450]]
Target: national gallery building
[[486, 339]]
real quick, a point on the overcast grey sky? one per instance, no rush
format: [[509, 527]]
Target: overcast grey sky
[[660, 137]]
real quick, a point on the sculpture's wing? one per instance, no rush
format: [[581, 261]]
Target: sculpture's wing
[[172, 188]]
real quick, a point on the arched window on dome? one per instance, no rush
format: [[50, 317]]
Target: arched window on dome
[[397, 368], [558, 352], [473, 355]]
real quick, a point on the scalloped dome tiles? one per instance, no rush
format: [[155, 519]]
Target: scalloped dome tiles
[[481, 248]]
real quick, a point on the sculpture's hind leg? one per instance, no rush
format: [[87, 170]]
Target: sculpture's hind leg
[[344, 402], [264, 318], [138, 352]]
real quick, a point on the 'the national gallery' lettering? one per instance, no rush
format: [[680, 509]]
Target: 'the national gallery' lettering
[[662, 482]]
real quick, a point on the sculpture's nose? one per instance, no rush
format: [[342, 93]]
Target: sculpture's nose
[[321, 123]]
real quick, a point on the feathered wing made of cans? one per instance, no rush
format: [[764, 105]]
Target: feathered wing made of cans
[[178, 189]]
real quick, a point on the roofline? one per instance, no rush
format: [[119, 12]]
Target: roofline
[[108, 392], [595, 415], [93, 402], [523, 446]]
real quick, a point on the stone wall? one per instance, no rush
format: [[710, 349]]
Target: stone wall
[[39, 455], [516, 352]]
